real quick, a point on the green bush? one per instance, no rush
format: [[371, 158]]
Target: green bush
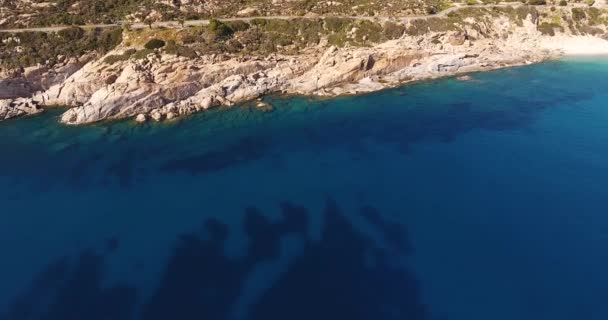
[[179, 50], [537, 2], [563, 3], [578, 14], [549, 28], [220, 29], [71, 33], [154, 44], [108, 39], [393, 30], [45, 48], [237, 26], [336, 24], [142, 54], [471, 2]]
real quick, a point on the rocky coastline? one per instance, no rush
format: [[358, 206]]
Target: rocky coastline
[[162, 86]]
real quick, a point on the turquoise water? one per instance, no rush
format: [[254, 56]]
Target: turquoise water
[[440, 200]]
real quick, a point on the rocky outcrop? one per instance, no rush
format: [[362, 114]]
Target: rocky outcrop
[[24, 83], [18, 107], [163, 87], [167, 86]]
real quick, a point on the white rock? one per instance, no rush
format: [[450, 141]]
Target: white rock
[[141, 118]]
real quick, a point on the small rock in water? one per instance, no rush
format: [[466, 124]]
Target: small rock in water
[[465, 78], [263, 106], [156, 115], [141, 118]]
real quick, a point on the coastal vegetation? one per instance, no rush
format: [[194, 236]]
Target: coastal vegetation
[[31, 48], [169, 70], [21, 13], [266, 36], [79, 12]]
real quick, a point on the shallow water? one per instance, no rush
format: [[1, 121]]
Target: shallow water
[[440, 200]]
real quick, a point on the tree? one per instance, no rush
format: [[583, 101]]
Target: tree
[[220, 29], [149, 22], [181, 22]]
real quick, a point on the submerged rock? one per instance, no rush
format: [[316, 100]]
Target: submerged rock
[[263, 106], [465, 78]]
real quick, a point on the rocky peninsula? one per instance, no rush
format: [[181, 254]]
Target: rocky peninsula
[[165, 73]]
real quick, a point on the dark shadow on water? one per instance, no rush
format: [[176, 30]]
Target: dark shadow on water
[[123, 156], [394, 233], [73, 290], [244, 150], [344, 275]]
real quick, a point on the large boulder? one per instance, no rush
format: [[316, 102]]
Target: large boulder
[[18, 107]]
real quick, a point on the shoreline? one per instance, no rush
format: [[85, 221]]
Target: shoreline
[[60, 109], [160, 86], [328, 96]]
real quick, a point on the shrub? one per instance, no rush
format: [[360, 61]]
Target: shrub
[[594, 15], [563, 3], [471, 2], [220, 29], [142, 54], [237, 26], [154, 44], [590, 2], [44, 48], [393, 30], [549, 28], [179, 50], [111, 59], [369, 31], [537, 2], [108, 39], [71, 33], [336, 24], [578, 14]]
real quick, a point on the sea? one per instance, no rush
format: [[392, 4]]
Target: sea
[[441, 200]]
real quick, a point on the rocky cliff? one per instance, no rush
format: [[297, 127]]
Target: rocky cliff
[[162, 86]]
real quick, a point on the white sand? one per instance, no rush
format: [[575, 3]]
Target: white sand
[[576, 45]]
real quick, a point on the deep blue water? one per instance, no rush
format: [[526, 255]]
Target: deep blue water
[[441, 200]]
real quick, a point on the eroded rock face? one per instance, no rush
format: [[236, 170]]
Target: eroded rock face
[[24, 83], [18, 107], [163, 87], [167, 85]]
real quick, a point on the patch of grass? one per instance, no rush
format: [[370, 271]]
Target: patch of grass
[[578, 14], [111, 59], [537, 2], [549, 28], [180, 50], [142, 54]]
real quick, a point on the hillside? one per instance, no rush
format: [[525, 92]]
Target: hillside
[[27, 13], [163, 73]]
